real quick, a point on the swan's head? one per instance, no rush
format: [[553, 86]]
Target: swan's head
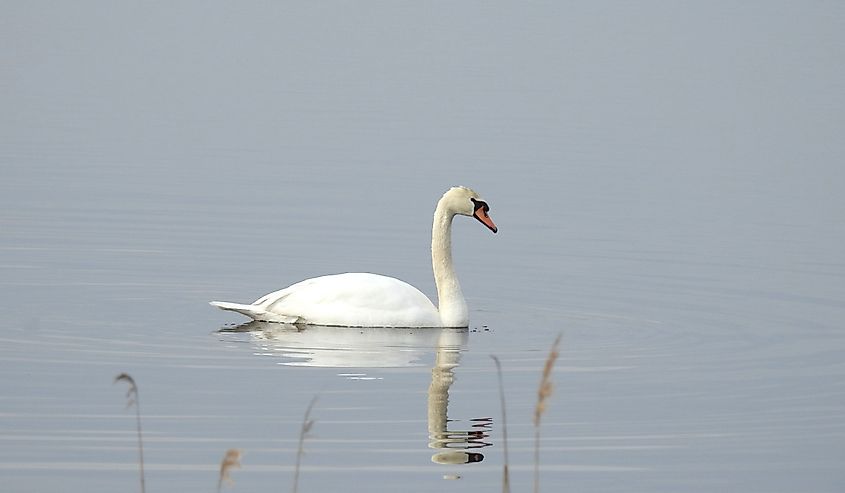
[[467, 202]]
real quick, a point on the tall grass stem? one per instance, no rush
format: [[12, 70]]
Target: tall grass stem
[[506, 482], [132, 399], [543, 395], [307, 424], [230, 461]]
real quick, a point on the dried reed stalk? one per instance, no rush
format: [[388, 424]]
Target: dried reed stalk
[[543, 395], [231, 460], [133, 400], [307, 424], [506, 482]]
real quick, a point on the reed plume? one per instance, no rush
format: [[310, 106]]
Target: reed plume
[[307, 424], [132, 399], [543, 395], [231, 460], [506, 483]]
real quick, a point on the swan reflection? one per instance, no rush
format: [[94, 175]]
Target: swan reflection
[[345, 347]]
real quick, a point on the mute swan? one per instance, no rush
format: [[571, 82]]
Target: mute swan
[[371, 300]]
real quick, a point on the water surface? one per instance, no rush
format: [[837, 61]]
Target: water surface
[[666, 180]]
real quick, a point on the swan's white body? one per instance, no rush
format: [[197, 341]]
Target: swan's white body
[[371, 300], [351, 299]]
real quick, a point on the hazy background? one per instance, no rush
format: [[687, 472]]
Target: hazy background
[[667, 178]]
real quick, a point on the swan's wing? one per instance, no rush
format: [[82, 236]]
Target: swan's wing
[[359, 299], [270, 299]]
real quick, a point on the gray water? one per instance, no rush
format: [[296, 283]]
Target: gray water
[[667, 179]]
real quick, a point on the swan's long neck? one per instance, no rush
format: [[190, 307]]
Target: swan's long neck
[[450, 299]]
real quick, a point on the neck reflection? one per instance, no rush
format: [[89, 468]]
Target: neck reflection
[[456, 444]]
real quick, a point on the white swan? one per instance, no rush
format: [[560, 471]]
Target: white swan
[[371, 300]]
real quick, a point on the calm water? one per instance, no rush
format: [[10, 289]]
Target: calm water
[[667, 181]]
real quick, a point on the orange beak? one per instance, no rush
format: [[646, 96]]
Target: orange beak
[[482, 216]]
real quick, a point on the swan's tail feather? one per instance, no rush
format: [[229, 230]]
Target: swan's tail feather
[[255, 312], [248, 310]]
